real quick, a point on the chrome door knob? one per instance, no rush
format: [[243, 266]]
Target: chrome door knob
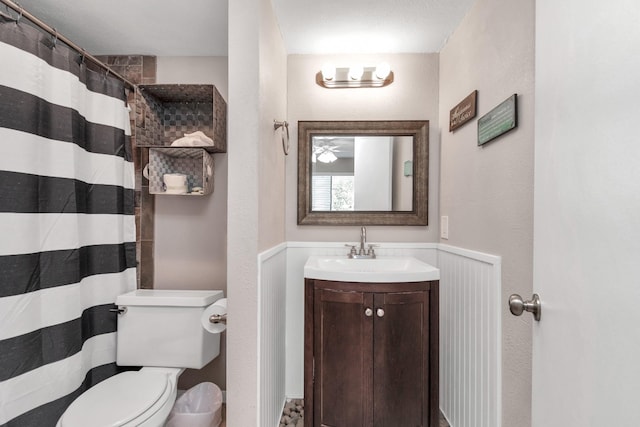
[[368, 312], [517, 306], [380, 312]]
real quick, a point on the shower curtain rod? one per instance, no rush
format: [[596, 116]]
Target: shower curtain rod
[[23, 13]]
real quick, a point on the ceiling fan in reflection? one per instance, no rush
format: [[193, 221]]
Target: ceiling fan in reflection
[[325, 150]]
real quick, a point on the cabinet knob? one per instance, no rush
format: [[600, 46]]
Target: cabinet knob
[[368, 312], [380, 312]]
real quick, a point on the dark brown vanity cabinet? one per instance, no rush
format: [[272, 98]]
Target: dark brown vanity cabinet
[[371, 354]]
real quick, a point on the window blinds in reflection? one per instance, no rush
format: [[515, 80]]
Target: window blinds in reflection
[[332, 193]]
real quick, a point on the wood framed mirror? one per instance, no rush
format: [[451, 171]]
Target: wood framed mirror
[[363, 172]]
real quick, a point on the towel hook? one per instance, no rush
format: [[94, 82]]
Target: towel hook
[[285, 126], [20, 16]]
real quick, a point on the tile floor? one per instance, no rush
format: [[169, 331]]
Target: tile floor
[[290, 409]]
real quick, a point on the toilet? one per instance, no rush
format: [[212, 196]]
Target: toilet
[[162, 331]]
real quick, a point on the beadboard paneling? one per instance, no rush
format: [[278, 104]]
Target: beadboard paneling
[[470, 330], [272, 324], [470, 337]]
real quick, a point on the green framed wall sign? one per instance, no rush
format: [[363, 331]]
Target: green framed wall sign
[[498, 121]]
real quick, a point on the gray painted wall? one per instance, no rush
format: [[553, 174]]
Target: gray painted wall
[[257, 79], [412, 96], [487, 192], [190, 250]]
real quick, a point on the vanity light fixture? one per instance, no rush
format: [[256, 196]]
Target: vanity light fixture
[[356, 76]]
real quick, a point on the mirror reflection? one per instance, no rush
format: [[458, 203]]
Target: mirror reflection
[[361, 173]]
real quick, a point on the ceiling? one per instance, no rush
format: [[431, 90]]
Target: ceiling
[[199, 27], [368, 26]]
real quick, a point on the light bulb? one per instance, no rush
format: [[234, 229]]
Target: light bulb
[[355, 72], [327, 157], [328, 71], [382, 70]]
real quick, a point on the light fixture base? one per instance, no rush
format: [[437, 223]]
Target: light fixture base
[[341, 79]]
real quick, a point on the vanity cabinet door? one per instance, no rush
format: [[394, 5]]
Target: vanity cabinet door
[[401, 359], [343, 359], [371, 358]]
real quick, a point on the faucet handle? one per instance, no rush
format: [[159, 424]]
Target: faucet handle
[[371, 252], [353, 251]]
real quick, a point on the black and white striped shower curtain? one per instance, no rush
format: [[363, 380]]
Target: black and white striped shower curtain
[[67, 228]]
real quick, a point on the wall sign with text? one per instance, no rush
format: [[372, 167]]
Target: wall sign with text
[[498, 121], [463, 112]]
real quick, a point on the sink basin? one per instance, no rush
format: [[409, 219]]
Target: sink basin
[[378, 270]]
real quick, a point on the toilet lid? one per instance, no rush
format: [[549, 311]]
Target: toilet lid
[[116, 400]]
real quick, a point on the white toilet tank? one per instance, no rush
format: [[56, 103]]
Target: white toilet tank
[[163, 328]]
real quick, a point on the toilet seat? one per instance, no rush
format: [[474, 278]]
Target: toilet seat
[[128, 398]]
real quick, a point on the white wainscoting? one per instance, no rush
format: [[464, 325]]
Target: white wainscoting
[[470, 327], [470, 337], [272, 266]]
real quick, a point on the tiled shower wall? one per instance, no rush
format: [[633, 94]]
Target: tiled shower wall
[[139, 69]]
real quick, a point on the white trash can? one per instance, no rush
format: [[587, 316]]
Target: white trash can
[[200, 406]]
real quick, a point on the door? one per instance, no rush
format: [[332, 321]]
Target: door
[[586, 347], [343, 358], [372, 173]]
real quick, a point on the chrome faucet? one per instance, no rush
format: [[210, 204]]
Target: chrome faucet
[[363, 240], [362, 253]]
